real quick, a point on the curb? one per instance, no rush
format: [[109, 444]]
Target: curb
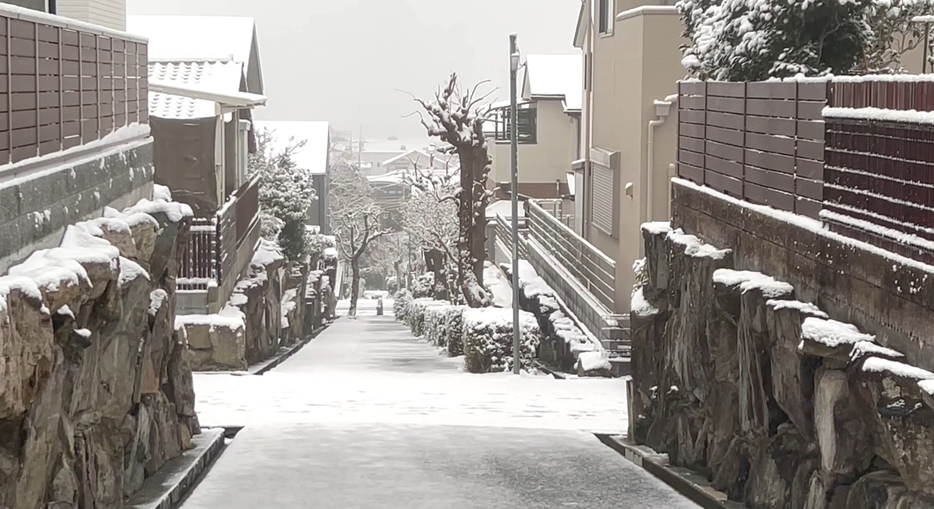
[[693, 486], [175, 479], [269, 364]]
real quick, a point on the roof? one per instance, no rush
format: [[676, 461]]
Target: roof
[[214, 76], [205, 38], [583, 23], [313, 157], [558, 76], [412, 155], [226, 99]]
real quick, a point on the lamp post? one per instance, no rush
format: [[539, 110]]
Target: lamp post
[[514, 146]]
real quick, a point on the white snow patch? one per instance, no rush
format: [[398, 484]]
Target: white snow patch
[[639, 306], [748, 280], [66, 311], [84, 333], [156, 300], [593, 361], [832, 333], [267, 253], [160, 192], [880, 365], [229, 317], [498, 285], [867, 348], [695, 247], [174, 211], [803, 307], [656, 227], [130, 271], [25, 285], [927, 386]]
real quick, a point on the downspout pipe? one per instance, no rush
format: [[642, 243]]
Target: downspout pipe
[[662, 109]]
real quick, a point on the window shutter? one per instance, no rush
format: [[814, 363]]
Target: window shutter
[[602, 191]]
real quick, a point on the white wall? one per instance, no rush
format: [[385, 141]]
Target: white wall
[[107, 13]]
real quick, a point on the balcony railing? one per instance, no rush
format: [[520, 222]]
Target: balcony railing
[[591, 268], [64, 84], [211, 253]]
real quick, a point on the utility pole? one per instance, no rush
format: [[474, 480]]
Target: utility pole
[[360, 150], [514, 194]]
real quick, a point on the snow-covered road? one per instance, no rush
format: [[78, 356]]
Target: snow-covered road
[[368, 416]]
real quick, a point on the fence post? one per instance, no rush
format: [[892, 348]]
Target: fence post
[[706, 112], [745, 130]]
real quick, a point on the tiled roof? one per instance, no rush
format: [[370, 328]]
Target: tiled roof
[[223, 77]]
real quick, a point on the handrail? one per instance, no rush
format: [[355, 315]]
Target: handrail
[[567, 230]]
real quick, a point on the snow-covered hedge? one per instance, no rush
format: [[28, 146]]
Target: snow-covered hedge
[[423, 286], [454, 325], [562, 341], [488, 336], [400, 303]]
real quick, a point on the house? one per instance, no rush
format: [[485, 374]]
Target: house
[[313, 157], [102, 13], [549, 109], [631, 65], [204, 85]]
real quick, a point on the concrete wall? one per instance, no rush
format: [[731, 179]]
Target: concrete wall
[[35, 210], [875, 292], [549, 159]]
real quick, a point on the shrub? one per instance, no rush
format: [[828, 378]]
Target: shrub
[[454, 326], [400, 303], [423, 286], [487, 338]]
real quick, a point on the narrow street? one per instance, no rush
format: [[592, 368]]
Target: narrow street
[[367, 416]]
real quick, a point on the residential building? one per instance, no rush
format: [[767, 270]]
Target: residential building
[[631, 66], [313, 157], [548, 131], [104, 13], [204, 85], [66, 154]]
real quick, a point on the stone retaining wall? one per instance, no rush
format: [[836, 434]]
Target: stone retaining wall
[[737, 375], [97, 390]]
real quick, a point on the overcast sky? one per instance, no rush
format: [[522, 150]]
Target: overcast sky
[[343, 60]]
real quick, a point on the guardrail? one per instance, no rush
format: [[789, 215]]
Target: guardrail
[[65, 84], [593, 269]]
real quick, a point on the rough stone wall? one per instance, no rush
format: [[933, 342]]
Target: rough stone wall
[[780, 406], [247, 330], [35, 212], [96, 391]]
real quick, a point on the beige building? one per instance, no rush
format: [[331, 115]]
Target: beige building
[[549, 128], [632, 63]]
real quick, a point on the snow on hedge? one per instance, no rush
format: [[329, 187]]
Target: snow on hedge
[[488, 339]]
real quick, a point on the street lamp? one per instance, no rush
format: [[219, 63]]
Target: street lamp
[[514, 146]]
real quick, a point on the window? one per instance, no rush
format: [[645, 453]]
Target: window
[[528, 125], [605, 14], [587, 72]]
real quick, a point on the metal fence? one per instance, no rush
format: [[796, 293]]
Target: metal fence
[[592, 269], [62, 87]]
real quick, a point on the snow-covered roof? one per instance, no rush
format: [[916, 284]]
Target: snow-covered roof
[[415, 155], [222, 77], [556, 76], [313, 157], [201, 38], [503, 208]]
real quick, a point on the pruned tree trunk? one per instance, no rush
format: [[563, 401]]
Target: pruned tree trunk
[[354, 285]]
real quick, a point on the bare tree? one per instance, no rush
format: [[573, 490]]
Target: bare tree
[[356, 221], [456, 117], [430, 219]]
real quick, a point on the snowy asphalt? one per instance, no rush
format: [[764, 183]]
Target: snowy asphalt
[[367, 416]]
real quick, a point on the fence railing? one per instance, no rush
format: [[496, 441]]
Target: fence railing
[[760, 142], [61, 87], [592, 269], [866, 176], [211, 252], [503, 232]]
